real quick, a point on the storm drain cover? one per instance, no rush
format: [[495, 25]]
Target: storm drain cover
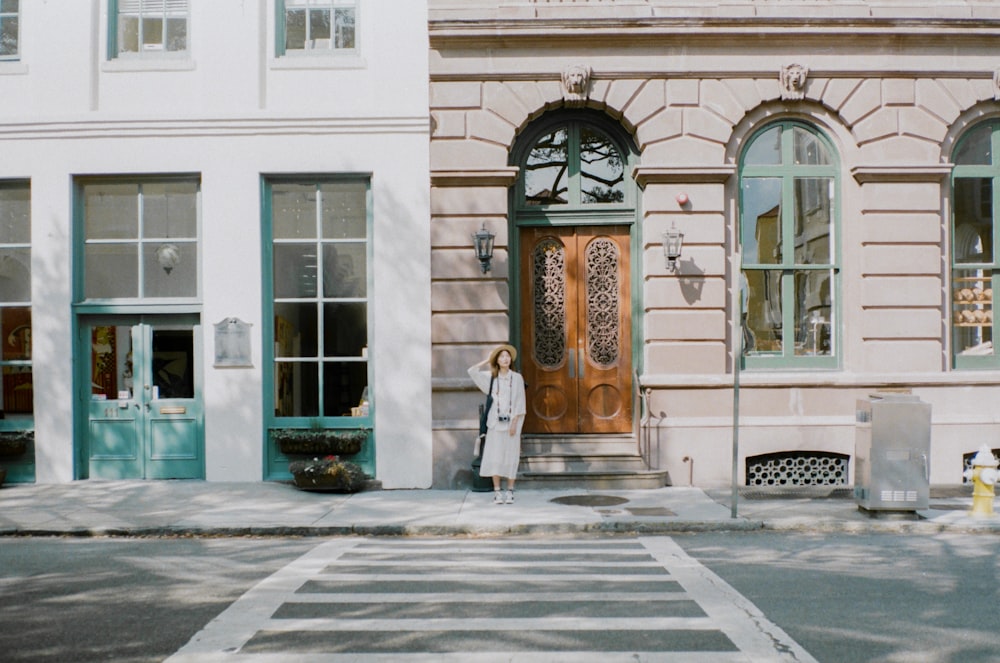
[[590, 500]]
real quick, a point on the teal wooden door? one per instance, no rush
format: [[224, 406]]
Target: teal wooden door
[[145, 418]]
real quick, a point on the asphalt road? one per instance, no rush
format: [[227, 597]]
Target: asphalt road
[[842, 598]]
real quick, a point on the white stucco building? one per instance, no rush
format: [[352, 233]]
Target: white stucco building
[[215, 225]]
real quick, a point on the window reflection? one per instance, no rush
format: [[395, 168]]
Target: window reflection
[[601, 168], [545, 171]]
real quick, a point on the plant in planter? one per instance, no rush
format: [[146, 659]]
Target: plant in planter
[[328, 473], [320, 441]]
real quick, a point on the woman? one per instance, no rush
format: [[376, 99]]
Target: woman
[[503, 436]]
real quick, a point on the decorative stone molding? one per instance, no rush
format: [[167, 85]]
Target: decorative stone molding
[[682, 175], [793, 82], [576, 84], [901, 173], [498, 177]]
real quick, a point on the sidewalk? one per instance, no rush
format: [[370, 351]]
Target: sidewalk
[[199, 508]]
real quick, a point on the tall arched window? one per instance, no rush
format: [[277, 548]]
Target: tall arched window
[[974, 246], [788, 216]]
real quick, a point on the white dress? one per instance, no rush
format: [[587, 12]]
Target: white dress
[[503, 450]]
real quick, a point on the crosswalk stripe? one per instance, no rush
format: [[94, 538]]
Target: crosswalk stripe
[[534, 602]]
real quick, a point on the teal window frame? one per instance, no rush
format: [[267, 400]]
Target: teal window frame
[[282, 7], [787, 172], [141, 240], [986, 271], [10, 31], [153, 10], [321, 298]]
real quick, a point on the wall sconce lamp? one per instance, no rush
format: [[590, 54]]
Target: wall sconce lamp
[[673, 242], [483, 243]]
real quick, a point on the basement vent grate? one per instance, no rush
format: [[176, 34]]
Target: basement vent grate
[[798, 468], [967, 462]]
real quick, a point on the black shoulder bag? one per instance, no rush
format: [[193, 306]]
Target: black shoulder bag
[[484, 410]]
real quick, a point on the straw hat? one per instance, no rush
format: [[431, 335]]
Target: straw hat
[[500, 348]]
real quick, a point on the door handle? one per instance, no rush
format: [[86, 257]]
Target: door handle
[[572, 363], [583, 364]]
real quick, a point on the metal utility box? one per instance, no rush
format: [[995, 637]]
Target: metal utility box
[[891, 453]]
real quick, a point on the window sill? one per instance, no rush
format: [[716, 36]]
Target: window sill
[[147, 64], [312, 61], [13, 68]]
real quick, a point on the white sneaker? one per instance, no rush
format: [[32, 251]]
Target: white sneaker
[[497, 497], [510, 497]]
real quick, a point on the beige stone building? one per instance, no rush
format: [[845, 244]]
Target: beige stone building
[[833, 168]]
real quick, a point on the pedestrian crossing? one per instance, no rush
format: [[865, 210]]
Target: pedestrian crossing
[[517, 599]]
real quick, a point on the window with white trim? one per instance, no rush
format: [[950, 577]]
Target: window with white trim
[[317, 27], [148, 28], [10, 30]]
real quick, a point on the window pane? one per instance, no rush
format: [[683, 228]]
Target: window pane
[[765, 150], [8, 5], [545, 170], [15, 214], [345, 329], [152, 34], [8, 35], [111, 211], [345, 28], [319, 28], [295, 271], [343, 210], [972, 313], [808, 149], [173, 363], [296, 389], [345, 269], [973, 236], [762, 315], [761, 223], [112, 270], [601, 169], [169, 209], [976, 149], [176, 37], [295, 29], [15, 275], [343, 384], [16, 332], [170, 269], [293, 211], [813, 239], [18, 394], [128, 34], [813, 313], [296, 330]]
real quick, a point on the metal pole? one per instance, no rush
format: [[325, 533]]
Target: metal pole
[[737, 359]]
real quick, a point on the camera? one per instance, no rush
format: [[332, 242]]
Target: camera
[[503, 419]]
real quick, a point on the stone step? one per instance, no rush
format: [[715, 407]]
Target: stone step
[[582, 463], [645, 480], [614, 445]]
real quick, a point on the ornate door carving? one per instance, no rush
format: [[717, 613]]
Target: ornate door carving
[[576, 329]]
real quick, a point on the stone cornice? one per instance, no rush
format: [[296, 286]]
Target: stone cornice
[[643, 31], [504, 177], [694, 174], [901, 173]]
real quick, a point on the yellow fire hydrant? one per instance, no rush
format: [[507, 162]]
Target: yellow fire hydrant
[[984, 476]]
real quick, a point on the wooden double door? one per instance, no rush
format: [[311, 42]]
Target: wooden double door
[[576, 329]]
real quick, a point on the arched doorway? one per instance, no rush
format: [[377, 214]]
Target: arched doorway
[[574, 212]]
